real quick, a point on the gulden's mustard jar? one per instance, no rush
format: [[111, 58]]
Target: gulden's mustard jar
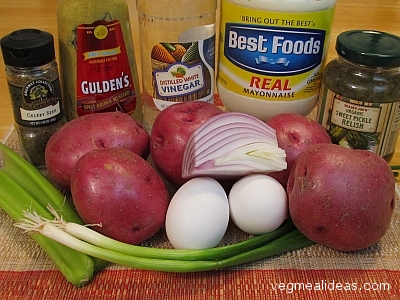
[[97, 60], [360, 96]]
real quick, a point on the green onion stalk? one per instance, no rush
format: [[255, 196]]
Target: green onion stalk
[[55, 229]]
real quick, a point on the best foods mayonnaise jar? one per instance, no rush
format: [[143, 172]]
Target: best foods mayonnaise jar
[[272, 53]]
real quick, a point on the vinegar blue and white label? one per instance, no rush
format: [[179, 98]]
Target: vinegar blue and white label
[[272, 55]]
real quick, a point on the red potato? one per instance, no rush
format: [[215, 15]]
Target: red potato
[[294, 134], [89, 132], [170, 133], [120, 190], [341, 198]]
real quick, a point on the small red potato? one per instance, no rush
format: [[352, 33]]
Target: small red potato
[[341, 198], [294, 134], [170, 133], [121, 191], [89, 132]]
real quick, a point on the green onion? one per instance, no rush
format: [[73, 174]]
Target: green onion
[[95, 238], [51, 228]]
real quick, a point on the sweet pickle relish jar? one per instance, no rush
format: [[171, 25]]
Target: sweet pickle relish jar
[[360, 94]]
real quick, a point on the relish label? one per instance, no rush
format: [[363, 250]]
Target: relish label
[[104, 79], [358, 124]]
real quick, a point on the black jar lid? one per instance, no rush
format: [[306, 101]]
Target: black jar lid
[[369, 48], [27, 48]]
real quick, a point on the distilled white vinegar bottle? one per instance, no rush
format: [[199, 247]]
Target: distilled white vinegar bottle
[[177, 39]]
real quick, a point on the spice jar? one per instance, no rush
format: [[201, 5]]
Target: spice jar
[[360, 96], [35, 92]]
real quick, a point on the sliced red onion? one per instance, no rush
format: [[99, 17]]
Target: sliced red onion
[[225, 121], [232, 145], [225, 130], [217, 142]]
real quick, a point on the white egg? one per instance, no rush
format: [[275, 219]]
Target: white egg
[[198, 215], [258, 204]]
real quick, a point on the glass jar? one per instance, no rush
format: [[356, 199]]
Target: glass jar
[[360, 96], [35, 91]]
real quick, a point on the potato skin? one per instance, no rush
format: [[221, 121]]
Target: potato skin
[[295, 133], [341, 198], [89, 132], [120, 190], [170, 133]]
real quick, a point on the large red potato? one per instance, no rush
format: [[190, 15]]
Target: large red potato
[[120, 190], [341, 198], [294, 134], [170, 133], [89, 132]]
